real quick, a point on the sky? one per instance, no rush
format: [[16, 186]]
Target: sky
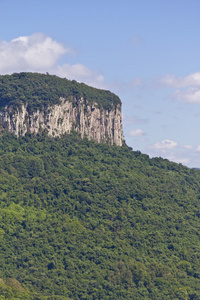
[[145, 51]]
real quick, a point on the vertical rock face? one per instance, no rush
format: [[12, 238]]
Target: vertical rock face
[[88, 120]]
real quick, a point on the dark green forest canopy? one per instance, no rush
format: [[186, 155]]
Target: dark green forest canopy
[[81, 220], [40, 90]]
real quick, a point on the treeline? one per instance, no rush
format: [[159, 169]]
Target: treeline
[[38, 91], [81, 220]]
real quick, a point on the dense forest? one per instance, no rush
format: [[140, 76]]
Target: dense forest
[[81, 220], [39, 91]]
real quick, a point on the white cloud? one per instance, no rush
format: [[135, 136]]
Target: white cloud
[[187, 155], [187, 88], [80, 73], [35, 52], [190, 95], [181, 82], [172, 151], [165, 145], [188, 147], [137, 132], [40, 53]]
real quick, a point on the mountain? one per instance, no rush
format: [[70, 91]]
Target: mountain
[[86, 220], [31, 102]]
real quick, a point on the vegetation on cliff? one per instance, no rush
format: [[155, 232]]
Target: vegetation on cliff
[[81, 220], [39, 91]]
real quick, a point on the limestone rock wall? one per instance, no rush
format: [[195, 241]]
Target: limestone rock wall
[[90, 121]]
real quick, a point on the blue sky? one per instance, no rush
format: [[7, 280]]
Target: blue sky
[[145, 51]]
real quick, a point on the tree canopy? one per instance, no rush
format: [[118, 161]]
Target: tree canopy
[[40, 90], [81, 220]]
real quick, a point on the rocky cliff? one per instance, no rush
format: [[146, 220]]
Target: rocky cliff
[[30, 102], [90, 121]]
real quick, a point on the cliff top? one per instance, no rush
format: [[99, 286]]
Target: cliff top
[[39, 90]]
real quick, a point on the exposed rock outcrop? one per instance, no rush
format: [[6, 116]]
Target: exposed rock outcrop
[[90, 121]]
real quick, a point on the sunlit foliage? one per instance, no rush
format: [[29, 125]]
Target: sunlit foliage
[[81, 220]]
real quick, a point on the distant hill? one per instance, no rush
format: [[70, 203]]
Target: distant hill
[[82, 220]]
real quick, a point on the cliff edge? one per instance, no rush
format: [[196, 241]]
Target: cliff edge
[[31, 102]]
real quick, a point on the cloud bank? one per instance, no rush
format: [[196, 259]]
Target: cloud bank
[[187, 89], [172, 151], [40, 53], [35, 52], [165, 145]]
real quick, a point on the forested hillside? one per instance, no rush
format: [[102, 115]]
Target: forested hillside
[[39, 91], [81, 220]]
